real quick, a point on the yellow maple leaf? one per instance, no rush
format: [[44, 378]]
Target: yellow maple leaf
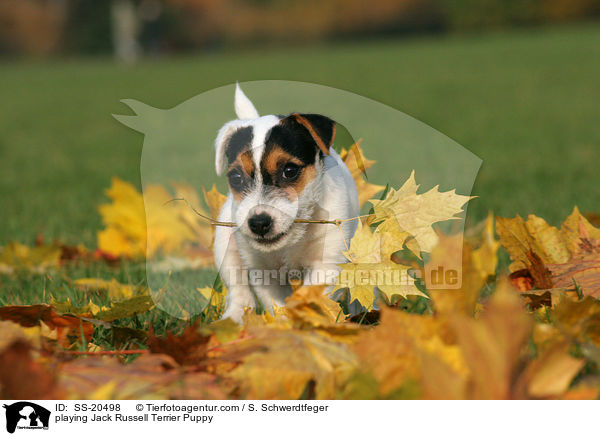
[[125, 221], [571, 229], [139, 225], [114, 289], [214, 200], [416, 213], [167, 229], [393, 238], [357, 163], [203, 231], [364, 246], [520, 237], [371, 266], [15, 256], [473, 260], [116, 243], [551, 245]]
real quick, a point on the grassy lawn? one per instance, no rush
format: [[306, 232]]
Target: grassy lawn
[[526, 103]]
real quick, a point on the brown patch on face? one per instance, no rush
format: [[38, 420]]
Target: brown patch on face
[[294, 189], [244, 162], [275, 159], [244, 165], [272, 165], [247, 163]]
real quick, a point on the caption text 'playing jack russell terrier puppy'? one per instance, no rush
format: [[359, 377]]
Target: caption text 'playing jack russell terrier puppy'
[[280, 169]]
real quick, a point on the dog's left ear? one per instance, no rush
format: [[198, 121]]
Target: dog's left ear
[[319, 127], [244, 109]]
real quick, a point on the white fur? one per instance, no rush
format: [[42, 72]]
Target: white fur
[[244, 109], [315, 249]]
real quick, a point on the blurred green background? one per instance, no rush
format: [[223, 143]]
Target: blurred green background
[[514, 82]]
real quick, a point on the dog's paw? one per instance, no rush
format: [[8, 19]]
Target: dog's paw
[[234, 313]]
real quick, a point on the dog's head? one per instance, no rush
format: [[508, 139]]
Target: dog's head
[[274, 168]]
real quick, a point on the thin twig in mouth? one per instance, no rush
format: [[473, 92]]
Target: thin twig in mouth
[[298, 220], [214, 222], [209, 219]]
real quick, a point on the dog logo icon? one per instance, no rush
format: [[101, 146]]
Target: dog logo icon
[[26, 415]]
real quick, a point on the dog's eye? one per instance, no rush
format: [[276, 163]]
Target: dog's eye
[[236, 180], [290, 171]]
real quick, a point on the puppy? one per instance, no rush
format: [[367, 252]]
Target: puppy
[[280, 169]]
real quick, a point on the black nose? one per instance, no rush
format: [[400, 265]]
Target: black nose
[[260, 224]]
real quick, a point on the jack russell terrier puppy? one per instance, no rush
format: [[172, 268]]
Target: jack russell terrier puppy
[[280, 169]]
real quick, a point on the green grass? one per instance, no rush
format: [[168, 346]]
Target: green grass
[[526, 103]]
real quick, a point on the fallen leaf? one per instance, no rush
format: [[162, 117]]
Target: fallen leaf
[[15, 256], [126, 308], [519, 238], [550, 375], [112, 288], [153, 376], [416, 213], [138, 226], [189, 347], [371, 266], [493, 345], [291, 364], [358, 164], [579, 319], [70, 329], [392, 351], [21, 375], [582, 270], [214, 200]]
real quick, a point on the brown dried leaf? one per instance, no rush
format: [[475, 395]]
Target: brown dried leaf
[[188, 348], [154, 376], [290, 364], [492, 345], [550, 375], [24, 377], [70, 328]]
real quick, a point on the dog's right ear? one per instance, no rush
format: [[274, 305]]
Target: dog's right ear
[[233, 137]]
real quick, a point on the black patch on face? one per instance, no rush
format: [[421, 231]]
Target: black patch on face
[[241, 139], [293, 139], [266, 177]]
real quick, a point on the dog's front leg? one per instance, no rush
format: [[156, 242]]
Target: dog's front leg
[[239, 296], [234, 275], [271, 295]]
